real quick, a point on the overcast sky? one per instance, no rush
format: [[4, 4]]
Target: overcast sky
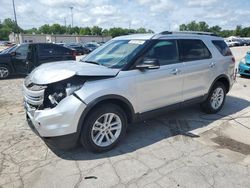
[[157, 15]]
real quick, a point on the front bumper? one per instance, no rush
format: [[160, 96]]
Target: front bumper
[[58, 121], [244, 69]]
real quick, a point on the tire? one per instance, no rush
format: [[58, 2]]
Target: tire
[[4, 71], [218, 92], [89, 135]]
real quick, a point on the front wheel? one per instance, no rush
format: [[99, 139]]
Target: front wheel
[[104, 128], [4, 71], [215, 100]]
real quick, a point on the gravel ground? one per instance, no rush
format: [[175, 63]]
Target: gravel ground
[[185, 148]]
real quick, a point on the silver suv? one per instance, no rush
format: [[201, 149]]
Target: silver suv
[[128, 79]]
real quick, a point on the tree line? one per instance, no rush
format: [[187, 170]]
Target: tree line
[[203, 26], [8, 26]]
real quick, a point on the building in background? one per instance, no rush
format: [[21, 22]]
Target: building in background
[[46, 38]]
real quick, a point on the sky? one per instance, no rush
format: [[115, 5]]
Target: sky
[[158, 15]]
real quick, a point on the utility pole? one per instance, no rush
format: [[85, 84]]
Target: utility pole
[[65, 22], [71, 9], [14, 9]]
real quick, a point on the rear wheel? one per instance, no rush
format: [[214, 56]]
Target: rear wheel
[[104, 128], [215, 100], [4, 71]]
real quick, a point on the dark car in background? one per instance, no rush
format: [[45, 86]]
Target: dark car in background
[[22, 59], [91, 46], [80, 50]]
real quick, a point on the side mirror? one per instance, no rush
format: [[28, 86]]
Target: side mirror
[[13, 53], [149, 64]]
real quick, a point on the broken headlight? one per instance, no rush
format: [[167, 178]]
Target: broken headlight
[[57, 96]]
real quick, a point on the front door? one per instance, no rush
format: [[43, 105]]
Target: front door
[[160, 87]]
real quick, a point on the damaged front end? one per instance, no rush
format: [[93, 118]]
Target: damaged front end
[[48, 96]]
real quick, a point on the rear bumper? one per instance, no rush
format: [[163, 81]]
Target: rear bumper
[[244, 69]]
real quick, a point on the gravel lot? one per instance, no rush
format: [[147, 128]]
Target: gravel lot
[[185, 148]]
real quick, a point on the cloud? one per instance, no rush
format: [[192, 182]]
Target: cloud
[[157, 15], [201, 3], [106, 10]]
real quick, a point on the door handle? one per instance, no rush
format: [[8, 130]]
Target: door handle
[[212, 65], [175, 71]]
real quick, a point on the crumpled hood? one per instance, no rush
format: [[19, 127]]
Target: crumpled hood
[[57, 71]]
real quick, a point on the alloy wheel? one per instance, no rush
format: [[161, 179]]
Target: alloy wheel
[[106, 129], [217, 98], [4, 72]]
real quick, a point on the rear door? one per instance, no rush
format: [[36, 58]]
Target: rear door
[[198, 64], [45, 53], [63, 53]]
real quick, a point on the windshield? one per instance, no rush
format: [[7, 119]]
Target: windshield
[[115, 53], [8, 50]]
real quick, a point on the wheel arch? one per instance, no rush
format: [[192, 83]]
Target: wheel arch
[[121, 101], [11, 69], [223, 79]]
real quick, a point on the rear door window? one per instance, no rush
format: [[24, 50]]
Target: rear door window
[[193, 49], [222, 47], [60, 50], [46, 50]]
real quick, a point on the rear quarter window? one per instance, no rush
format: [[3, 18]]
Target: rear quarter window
[[222, 47]]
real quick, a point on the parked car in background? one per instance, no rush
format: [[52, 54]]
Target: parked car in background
[[91, 46], [232, 43], [22, 59], [127, 79], [244, 42], [80, 50], [6, 50], [244, 65]]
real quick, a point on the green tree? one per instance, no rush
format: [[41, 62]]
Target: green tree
[[45, 29], [183, 27], [95, 30], [238, 30], [85, 31], [141, 30]]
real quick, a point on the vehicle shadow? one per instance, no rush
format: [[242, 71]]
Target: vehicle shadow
[[12, 77], [144, 134]]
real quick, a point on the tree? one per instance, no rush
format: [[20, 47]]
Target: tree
[[105, 32], [57, 29], [203, 26], [96, 30], [8, 26], [238, 30], [215, 29], [45, 29], [85, 31], [183, 27], [141, 30]]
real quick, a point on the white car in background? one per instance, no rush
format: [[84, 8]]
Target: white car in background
[[232, 43]]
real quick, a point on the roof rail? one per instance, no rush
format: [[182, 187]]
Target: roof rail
[[188, 32]]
